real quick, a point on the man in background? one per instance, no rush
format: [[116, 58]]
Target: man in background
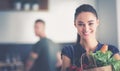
[[43, 54]]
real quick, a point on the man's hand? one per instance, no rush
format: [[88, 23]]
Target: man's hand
[[33, 56]]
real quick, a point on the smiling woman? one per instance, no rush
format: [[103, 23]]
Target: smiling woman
[[86, 22]]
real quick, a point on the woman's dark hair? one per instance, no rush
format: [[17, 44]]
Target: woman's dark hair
[[78, 38], [84, 8]]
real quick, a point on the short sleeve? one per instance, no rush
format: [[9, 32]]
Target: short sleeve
[[67, 51], [36, 48], [113, 49]]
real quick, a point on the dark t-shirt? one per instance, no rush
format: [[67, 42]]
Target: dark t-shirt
[[74, 52], [46, 49]]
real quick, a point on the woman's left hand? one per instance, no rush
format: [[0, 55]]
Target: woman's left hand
[[117, 56]]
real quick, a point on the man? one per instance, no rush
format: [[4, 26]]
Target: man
[[43, 54]]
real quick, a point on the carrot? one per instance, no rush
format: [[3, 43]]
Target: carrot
[[104, 48]]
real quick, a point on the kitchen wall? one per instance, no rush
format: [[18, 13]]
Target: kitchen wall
[[17, 26], [118, 20], [108, 30]]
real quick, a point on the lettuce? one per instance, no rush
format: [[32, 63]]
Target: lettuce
[[104, 59]]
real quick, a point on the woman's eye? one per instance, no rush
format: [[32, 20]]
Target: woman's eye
[[91, 24], [80, 24]]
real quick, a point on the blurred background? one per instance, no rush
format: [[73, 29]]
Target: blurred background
[[17, 23]]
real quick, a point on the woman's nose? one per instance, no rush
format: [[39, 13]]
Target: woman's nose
[[86, 28]]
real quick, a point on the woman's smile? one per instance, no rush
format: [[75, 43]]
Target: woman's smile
[[86, 33]]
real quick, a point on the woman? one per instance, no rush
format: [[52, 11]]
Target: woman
[[86, 22]]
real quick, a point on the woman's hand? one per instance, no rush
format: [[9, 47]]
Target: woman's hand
[[66, 62], [117, 56]]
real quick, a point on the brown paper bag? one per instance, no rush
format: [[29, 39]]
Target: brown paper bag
[[95, 68], [104, 68]]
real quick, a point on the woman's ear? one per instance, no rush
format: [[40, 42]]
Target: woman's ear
[[74, 24], [98, 22]]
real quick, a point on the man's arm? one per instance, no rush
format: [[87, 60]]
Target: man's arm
[[66, 63], [33, 56], [59, 60]]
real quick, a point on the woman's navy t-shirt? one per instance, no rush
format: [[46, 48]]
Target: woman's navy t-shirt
[[74, 52]]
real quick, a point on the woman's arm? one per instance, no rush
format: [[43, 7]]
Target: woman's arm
[[116, 56], [66, 62]]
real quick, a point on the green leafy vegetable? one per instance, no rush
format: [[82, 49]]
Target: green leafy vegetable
[[103, 59]]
